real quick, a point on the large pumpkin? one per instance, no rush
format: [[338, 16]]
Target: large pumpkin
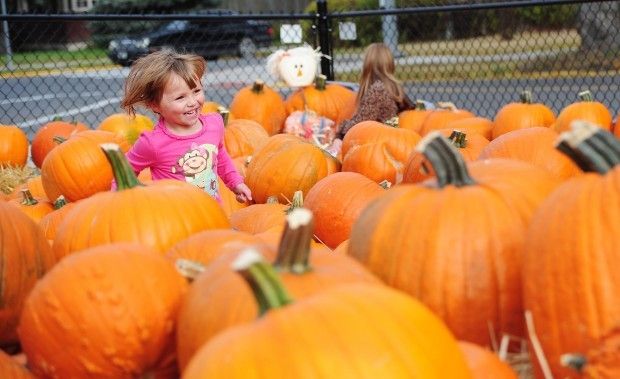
[[126, 126], [337, 201], [25, 256], [219, 299], [332, 101], [262, 104], [439, 118], [534, 145], [108, 312], [377, 150], [44, 139], [454, 243], [129, 214], [244, 137], [524, 114], [338, 333], [285, 165], [572, 252], [77, 168], [13, 146]]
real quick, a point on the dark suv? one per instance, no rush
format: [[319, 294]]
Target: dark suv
[[211, 39]]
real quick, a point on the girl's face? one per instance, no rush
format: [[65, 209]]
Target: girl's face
[[180, 105]]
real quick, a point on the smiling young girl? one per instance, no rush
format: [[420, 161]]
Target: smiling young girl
[[184, 144]]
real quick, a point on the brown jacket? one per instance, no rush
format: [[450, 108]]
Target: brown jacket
[[376, 105]]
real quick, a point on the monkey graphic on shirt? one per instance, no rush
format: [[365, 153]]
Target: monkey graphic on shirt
[[199, 166]]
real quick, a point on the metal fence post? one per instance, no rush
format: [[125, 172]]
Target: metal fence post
[[324, 30]]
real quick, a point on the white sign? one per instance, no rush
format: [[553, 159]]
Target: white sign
[[347, 31], [290, 33]]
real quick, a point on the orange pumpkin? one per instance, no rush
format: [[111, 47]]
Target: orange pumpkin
[[616, 127], [111, 310], [413, 119], [32, 207], [378, 151], [586, 109], [219, 299], [13, 146], [34, 185], [25, 256], [11, 369], [534, 145], [212, 106], [562, 253], [600, 362], [332, 101], [260, 103], [417, 168], [439, 118], [50, 222], [338, 333], [258, 218], [472, 125], [469, 271], [77, 168], [126, 126], [128, 214], [43, 140], [524, 114], [337, 201], [284, 165], [244, 137], [484, 364]]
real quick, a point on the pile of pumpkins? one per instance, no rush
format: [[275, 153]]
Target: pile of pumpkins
[[431, 246]]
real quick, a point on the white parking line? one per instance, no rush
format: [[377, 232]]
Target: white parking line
[[70, 112]]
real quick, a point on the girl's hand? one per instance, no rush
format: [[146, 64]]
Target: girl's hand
[[243, 193]]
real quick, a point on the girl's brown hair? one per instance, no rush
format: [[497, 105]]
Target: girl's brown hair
[[149, 74], [379, 65]]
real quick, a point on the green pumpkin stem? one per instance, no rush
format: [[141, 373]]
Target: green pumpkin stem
[[320, 82], [258, 86], [60, 202], [420, 105], [458, 139], [294, 249], [585, 96], [449, 166], [393, 122], [297, 202], [27, 198], [59, 139], [526, 97], [593, 149], [123, 172], [262, 278]]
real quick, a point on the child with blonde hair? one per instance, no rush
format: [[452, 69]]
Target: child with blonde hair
[[184, 144]]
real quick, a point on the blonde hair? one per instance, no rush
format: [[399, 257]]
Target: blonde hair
[[149, 75], [379, 65]]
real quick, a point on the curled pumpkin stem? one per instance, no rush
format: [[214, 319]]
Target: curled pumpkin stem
[[449, 166], [593, 149], [294, 249]]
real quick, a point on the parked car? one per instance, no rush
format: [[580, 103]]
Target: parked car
[[211, 39]]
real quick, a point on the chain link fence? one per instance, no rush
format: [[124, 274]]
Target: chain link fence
[[478, 55]]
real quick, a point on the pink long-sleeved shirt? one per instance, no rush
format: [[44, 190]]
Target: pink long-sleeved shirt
[[197, 158]]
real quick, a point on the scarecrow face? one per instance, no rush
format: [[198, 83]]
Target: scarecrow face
[[298, 67]]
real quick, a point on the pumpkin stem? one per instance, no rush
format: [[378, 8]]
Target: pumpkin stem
[[320, 82], [224, 113], [385, 184], [297, 202], [27, 198], [458, 139], [258, 85], [59, 139], [272, 200], [60, 202], [448, 164], [189, 269], [123, 173], [265, 283], [294, 249], [590, 147], [575, 361], [526, 97], [392, 122], [420, 105], [586, 96]]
